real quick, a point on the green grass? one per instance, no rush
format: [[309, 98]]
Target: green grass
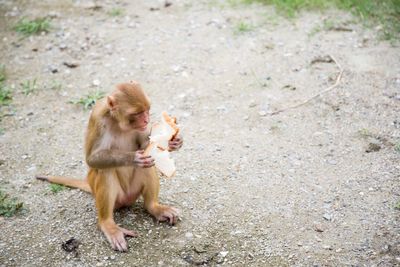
[[3, 75], [31, 27], [28, 87], [55, 85], [5, 95], [89, 100], [381, 13], [5, 92], [55, 188], [115, 12], [397, 147], [364, 133], [9, 206], [242, 27]]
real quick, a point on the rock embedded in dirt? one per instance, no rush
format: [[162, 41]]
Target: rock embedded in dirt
[[374, 146], [327, 216], [70, 245]]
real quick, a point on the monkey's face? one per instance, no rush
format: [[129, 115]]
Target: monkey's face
[[135, 121]]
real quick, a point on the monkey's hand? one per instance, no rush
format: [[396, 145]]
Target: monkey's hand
[[175, 143], [142, 160]]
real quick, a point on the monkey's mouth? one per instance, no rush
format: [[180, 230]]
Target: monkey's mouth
[[143, 128]]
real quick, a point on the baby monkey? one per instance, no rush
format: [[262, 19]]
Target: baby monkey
[[119, 171]]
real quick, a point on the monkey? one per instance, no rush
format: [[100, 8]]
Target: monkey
[[118, 169]]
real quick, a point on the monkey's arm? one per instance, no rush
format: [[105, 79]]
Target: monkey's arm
[[110, 158]]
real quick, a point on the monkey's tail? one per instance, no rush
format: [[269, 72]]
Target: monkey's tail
[[70, 182]]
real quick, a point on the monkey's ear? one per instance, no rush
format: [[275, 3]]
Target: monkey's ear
[[111, 102]]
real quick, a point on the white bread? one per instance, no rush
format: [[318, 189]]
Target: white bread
[[162, 160], [161, 133]]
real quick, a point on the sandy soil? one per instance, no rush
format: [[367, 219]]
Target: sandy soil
[[293, 189]]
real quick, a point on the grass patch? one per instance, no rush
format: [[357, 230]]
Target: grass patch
[[28, 87], [9, 206], [364, 133], [3, 75], [382, 13], [115, 12], [5, 95], [55, 188], [31, 27], [397, 206], [5, 92], [243, 27], [89, 100], [55, 85], [397, 147]]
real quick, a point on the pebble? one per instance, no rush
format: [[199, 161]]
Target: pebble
[[52, 69], [96, 82], [32, 169], [328, 247], [189, 235], [373, 146], [332, 162], [327, 217], [222, 108], [262, 113], [223, 253]]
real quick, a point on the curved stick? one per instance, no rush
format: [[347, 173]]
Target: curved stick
[[338, 78]]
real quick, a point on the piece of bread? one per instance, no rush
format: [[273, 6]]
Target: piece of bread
[[162, 160], [161, 133]]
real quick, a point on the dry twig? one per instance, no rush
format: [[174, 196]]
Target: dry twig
[[338, 78]]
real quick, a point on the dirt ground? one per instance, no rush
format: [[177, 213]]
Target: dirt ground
[[315, 185]]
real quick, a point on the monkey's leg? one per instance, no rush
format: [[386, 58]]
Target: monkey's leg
[[150, 184], [106, 194]]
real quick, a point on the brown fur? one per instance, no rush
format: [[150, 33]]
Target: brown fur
[[118, 171]]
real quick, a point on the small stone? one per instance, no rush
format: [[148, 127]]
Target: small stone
[[327, 247], [71, 64], [96, 82], [189, 235], [262, 113], [222, 109], [332, 162], [62, 46], [223, 253], [252, 104], [327, 217], [318, 228], [53, 69], [32, 169], [373, 146]]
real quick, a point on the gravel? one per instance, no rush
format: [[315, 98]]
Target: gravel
[[300, 188]]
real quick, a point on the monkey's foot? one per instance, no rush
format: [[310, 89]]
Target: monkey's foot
[[165, 213], [116, 235]]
